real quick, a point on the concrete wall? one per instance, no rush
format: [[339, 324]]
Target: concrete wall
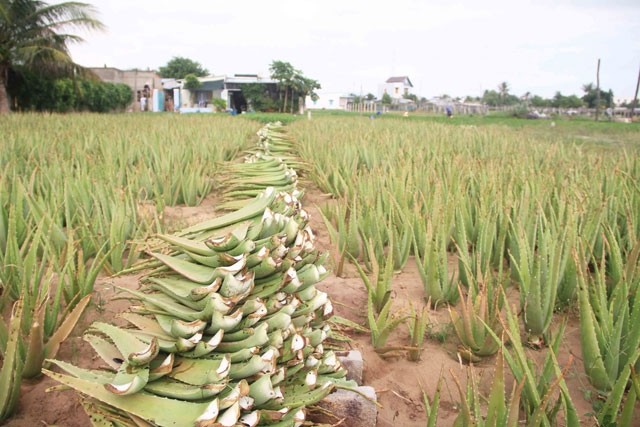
[[328, 101], [135, 79]]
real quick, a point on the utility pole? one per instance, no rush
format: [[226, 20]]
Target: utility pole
[[634, 104], [598, 90]]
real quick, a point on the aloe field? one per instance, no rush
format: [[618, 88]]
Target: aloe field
[[209, 269]]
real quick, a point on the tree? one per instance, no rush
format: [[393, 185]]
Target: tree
[[357, 99], [292, 81], [503, 90], [539, 102], [258, 97], [283, 72], [591, 96], [179, 67], [561, 101], [386, 99], [34, 35], [411, 96], [303, 87], [191, 83], [370, 97], [491, 98]]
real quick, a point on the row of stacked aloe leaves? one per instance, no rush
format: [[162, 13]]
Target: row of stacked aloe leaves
[[557, 221], [229, 328]]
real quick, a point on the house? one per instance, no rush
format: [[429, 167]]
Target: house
[[210, 88], [233, 90], [328, 101], [227, 88], [142, 83], [396, 87]]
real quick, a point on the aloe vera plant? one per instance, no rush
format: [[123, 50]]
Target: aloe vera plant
[[480, 310], [539, 274], [432, 407], [439, 284], [417, 325], [380, 283], [45, 323], [382, 324], [539, 386], [609, 335], [12, 365], [500, 412], [344, 233]]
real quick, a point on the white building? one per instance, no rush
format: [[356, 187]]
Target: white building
[[328, 101], [227, 88], [396, 87]]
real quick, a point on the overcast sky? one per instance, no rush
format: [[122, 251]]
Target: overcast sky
[[456, 47]]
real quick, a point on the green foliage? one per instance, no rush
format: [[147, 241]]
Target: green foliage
[[265, 118], [591, 96], [292, 84], [65, 95], [219, 104], [35, 92], [561, 101], [411, 96], [386, 99], [538, 101], [34, 36], [258, 97], [494, 99], [179, 68], [383, 324], [191, 82], [500, 412]]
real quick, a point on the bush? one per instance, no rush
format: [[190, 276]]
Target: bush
[[37, 93]]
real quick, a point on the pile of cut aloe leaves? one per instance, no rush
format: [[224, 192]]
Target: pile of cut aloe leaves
[[228, 328]]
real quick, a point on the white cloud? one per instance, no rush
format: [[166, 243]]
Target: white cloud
[[459, 47]]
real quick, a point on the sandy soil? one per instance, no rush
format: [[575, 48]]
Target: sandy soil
[[399, 383]]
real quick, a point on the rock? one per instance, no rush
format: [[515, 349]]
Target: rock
[[354, 408], [354, 365]]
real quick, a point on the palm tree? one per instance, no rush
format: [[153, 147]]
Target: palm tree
[[503, 90], [304, 86], [588, 87], [33, 34], [283, 72]]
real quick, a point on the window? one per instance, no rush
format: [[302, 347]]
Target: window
[[406, 91], [397, 90], [331, 102]]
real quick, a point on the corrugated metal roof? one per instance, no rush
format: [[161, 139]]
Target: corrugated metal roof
[[170, 84], [248, 79], [212, 85]]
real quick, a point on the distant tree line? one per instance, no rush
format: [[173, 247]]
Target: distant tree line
[[501, 97]]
